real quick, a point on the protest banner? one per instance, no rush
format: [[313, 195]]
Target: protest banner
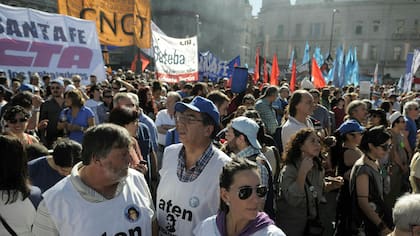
[[213, 68], [118, 22], [176, 59], [32, 41]]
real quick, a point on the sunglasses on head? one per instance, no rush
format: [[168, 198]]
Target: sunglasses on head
[[21, 120], [386, 146], [246, 191]]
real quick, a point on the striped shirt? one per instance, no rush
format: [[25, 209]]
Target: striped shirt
[[189, 175]]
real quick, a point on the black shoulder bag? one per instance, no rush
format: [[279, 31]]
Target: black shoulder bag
[[314, 226]]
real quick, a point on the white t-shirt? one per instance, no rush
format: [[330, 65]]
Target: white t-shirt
[[163, 118], [209, 228], [181, 206], [128, 213], [19, 215], [291, 127]]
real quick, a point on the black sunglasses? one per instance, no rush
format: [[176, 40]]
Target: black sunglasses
[[386, 147], [246, 191], [21, 120]]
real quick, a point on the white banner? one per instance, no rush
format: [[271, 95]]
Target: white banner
[[34, 41], [176, 59]]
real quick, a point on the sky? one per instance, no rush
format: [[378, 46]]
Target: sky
[[256, 6]]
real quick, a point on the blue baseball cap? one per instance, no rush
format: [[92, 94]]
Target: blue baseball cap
[[202, 105], [351, 126], [27, 87]]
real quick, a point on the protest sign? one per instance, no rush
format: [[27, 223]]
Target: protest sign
[[38, 42]]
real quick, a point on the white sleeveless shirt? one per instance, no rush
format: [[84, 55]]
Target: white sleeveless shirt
[[181, 206], [127, 214]]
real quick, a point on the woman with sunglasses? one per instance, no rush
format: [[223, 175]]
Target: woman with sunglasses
[[398, 161], [242, 195], [17, 119], [370, 215], [302, 183]]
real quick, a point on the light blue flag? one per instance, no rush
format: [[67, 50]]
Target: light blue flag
[[292, 57], [400, 85], [318, 56], [338, 78], [349, 66], [355, 77], [306, 54]]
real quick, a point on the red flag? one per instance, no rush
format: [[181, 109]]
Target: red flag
[[265, 71], [293, 79], [144, 62], [134, 62], [275, 73], [317, 78], [257, 66]]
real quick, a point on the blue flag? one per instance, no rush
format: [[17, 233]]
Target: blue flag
[[355, 77], [338, 78], [306, 54], [211, 67], [292, 57], [318, 56], [349, 66]]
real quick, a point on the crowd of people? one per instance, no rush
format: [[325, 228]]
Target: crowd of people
[[131, 155]]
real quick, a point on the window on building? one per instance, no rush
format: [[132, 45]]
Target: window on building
[[298, 30], [337, 29], [280, 29], [315, 30], [375, 27], [400, 24], [359, 28], [373, 52], [416, 26], [397, 53]]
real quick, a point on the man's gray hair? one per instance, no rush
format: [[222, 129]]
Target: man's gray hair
[[407, 212], [409, 105]]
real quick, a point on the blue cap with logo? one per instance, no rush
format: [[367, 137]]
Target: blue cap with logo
[[202, 105]]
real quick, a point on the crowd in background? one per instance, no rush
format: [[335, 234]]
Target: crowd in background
[[300, 160]]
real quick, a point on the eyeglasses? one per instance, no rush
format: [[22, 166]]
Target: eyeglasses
[[54, 88], [179, 117], [21, 120], [246, 191], [386, 146]]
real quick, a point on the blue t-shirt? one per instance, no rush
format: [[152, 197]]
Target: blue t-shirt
[[42, 175], [81, 120], [172, 137], [412, 132]]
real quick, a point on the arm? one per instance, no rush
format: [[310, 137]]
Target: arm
[[350, 158], [162, 129], [43, 224], [362, 190]]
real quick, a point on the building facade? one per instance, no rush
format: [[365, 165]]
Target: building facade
[[383, 31]]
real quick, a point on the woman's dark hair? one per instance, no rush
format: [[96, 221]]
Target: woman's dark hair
[[123, 116], [228, 173], [376, 136], [295, 100], [76, 97], [386, 106], [382, 116], [13, 169], [23, 99], [147, 106], [11, 112], [292, 152]]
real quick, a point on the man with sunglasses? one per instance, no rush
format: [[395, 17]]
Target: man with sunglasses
[[49, 113], [242, 140], [188, 191]]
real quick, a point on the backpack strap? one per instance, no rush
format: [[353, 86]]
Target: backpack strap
[[7, 226]]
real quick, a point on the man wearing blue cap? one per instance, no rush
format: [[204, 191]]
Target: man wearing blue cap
[[188, 191]]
